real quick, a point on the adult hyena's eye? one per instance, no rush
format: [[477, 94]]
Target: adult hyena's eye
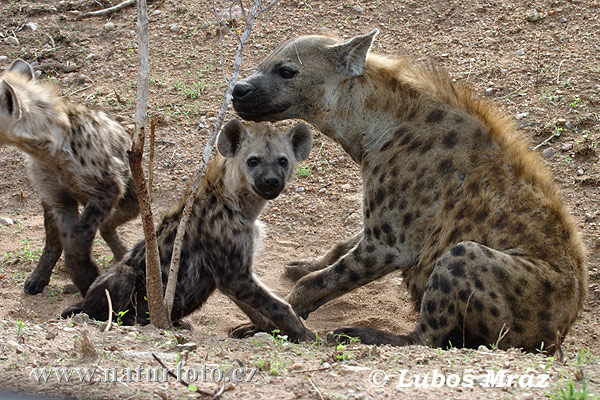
[[283, 162], [287, 73], [252, 162]]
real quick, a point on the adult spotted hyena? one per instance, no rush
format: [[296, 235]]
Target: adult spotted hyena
[[221, 235], [76, 156], [452, 198]]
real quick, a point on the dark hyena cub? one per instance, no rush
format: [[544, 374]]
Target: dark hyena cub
[[220, 238], [76, 156]]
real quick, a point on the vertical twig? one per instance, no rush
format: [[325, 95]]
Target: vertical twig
[[185, 215], [156, 305], [153, 124], [110, 311]]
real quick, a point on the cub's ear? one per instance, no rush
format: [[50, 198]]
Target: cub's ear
[[9, 101], [231, 138], [301, 139], [22, 68], [350, 57]]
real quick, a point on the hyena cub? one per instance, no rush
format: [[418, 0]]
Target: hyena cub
[[220, 237], [76, 156]]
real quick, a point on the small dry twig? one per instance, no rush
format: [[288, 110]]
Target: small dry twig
[[465, 317], [110, 311], [502, 334], [182, 381], [106, 11], [316, 388]]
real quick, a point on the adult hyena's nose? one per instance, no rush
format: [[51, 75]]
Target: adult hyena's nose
[[241, 90], [271, 181]]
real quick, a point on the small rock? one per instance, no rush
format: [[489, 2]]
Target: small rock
[[547, 153], [520, 52], [81, 319], [3, 58], [174, 28], [296, 366], [190, 346], [567, 146], [325, 365], [31, 25], [580, 172], [588, 217], [568, 125], [346, 186], [51, 335], [563, 20], [322, 190], [262, 336], [11, 41], [6, 221], [526, 396], [156, 12], [109, 26], [92, 57], [444, 55], [533, 15], [358, 9], [84, 78], [300, 189], [489, 91], [520, 116], [69, 288]]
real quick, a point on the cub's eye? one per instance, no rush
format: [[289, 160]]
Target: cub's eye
[[286, 72], [252, 162], [283, 162]]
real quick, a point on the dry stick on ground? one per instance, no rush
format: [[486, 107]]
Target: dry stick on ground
[[185, 215], [183, 382], [110, 311], [154, 293], [108, 11]]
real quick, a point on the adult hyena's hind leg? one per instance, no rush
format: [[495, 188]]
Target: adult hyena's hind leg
[[480, 296], [40, 277], [297, 269], [126, 210]]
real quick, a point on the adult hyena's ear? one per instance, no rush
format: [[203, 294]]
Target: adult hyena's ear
[[351, 57], [22, 68], [231, 138], [301, 139], [9, 101]]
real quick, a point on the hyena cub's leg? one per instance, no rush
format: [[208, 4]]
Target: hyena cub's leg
[[40, 277], [263, 307], [126, 210], [297, 269]]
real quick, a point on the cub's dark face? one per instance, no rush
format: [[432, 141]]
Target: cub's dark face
[[265, 158]]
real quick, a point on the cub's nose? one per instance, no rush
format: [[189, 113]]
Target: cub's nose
[[271, 181], [241, 90]]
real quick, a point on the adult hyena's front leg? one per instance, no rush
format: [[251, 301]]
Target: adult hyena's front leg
[[40, 277], [365, 263], [249, 291], [297, 269]]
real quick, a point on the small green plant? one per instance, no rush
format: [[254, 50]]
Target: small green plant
[[20, 327], [120, 316], [304, 172], [575, 102], [571, 393]]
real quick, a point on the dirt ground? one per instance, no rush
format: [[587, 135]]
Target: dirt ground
[[538, 61]]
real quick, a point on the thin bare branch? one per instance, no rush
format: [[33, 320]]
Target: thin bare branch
[[156, 305], [174, 268], [181, 380], [107, 11], [110, 311]]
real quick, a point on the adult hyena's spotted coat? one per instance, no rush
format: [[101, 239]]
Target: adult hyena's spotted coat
[[452, 198], [220, 238], [76, 156]]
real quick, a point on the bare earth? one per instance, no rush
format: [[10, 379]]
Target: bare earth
[[538, 61]]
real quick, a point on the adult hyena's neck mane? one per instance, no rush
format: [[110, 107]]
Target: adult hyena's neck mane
[[408, 90]]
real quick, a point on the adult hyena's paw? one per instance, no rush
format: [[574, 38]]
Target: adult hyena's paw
[[35, 285], [244, 330], [297, 269]]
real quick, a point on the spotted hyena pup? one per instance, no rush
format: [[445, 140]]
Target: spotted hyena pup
[[76, 156], [221, 235], [452, 198]]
